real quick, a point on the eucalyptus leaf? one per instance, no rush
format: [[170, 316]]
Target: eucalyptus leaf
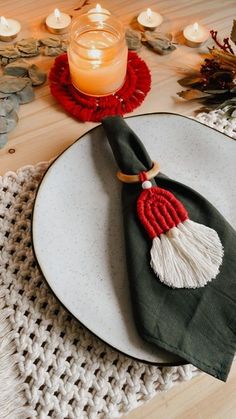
[[3, 108], [17, 68], [29, 55], [3, 140], [52, 52], [13, 99], [51, 41], [133, 39], [3, 124], [8, 122], [9, 51], [28, 47], [2, 95], [26, 95], [12, 119], [4, 60], [161, 43], [8, 104], [36, 75], [233, 32], [11, 84]]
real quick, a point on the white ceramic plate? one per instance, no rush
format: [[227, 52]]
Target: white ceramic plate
[[77, 221]]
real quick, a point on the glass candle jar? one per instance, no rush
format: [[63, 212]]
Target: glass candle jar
[[97, 54]]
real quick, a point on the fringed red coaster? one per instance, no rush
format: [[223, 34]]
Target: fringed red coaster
[[87, 108]]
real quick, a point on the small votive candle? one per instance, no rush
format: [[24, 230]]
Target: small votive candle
[[9, 29], [195, 35], [97, 54], [149, 19], [58, 22]]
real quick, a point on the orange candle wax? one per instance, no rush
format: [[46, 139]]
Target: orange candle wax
[[98, 59]]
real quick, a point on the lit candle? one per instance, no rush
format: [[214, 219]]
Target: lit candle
[[195, 35], [97, 55], [99, 9], [149, 19], [9, 29], [58, 22]]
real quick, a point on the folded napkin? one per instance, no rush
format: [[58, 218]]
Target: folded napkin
[[199, 325]]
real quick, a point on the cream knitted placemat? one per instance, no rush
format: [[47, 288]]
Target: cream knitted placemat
[[48, 361], [217, 119]]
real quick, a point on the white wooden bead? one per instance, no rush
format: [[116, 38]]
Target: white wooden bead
[[146, 184]]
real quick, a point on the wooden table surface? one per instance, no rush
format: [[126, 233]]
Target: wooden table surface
[[44, 130]]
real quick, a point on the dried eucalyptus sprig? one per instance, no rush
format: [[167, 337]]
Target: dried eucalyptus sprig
[[157, 41], [160, 42], [31, 47], [15, 89], [133, 39]]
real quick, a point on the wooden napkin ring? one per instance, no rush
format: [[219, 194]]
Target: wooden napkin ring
[[136, 178]]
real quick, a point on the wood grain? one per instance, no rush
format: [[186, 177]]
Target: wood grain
[[44, 130], [202, 398]]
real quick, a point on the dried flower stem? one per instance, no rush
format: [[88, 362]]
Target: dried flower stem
[[225, 46]]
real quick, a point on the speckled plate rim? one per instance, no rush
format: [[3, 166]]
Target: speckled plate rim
[[159, 364]]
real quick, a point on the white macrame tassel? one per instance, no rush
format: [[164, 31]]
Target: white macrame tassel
[[187, 256]]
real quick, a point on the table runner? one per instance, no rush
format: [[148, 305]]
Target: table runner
[[50, 365]]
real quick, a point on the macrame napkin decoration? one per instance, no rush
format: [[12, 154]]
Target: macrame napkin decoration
[[184, 254], [198, 324]]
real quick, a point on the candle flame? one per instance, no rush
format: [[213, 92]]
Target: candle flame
[[57, 14], [149, 14], [4, 22], [98, 8], [195, 27]]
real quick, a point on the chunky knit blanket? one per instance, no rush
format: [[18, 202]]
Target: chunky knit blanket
[[50, 365]]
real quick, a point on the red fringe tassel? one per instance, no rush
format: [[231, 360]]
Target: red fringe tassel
[[87, 108]]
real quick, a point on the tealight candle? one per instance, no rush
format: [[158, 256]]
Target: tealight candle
[[97, 54], [99, 9], [58, 22], [195, 35], [9, 29], [149, 19]]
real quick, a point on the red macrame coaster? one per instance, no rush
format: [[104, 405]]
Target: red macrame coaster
[[87, 108]]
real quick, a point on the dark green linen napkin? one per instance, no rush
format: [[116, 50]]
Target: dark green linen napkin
[[198, 324]]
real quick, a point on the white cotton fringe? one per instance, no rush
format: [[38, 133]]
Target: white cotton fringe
[[11, 387], [187, 256]]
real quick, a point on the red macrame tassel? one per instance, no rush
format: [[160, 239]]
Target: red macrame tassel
[[159, 211], [184, 254]]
